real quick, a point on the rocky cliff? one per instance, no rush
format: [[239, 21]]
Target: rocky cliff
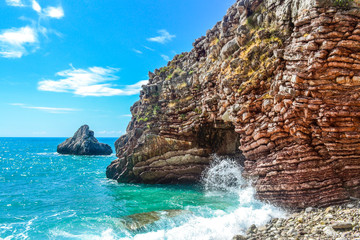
[[276, 84]]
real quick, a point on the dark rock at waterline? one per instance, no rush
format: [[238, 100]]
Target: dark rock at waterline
[[83, 143], [138, 221], [239, 237]]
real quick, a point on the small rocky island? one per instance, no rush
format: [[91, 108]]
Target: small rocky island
[[84, 143]]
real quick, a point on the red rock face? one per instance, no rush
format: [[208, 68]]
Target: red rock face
[[311, 155], [278, 81]]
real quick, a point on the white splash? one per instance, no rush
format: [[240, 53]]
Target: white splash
[[108, 234], [222, 177]]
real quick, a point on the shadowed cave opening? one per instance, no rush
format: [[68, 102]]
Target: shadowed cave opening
[[222, 139]]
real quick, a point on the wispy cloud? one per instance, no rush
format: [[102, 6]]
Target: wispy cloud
[[125, 116], [14, 42], [137, 51], [46, 109], [94, 81], [15, 3], [163, 38], [165, 57], [17, 42], [51, 11], [149, 48]]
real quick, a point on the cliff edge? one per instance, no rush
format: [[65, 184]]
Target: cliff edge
[[276, 84]]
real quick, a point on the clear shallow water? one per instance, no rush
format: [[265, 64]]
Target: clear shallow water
[[44, 195]]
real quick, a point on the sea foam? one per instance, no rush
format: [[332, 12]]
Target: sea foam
[[223, 177]]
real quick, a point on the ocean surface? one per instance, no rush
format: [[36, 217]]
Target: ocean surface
[[44, 195]]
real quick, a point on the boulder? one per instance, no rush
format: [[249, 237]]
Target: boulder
[[229, 48], [342, 226], [83, 143]]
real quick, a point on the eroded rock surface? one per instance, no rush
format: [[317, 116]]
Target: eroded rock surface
[[84, 143], [275, 83]]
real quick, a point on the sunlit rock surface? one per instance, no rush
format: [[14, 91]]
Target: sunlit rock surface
[[83, 143], [275, 83]]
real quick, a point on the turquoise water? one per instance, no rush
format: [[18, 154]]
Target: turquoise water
[[44, 195]]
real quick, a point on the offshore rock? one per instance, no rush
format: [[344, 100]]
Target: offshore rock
[[276, 84], [83, 143]]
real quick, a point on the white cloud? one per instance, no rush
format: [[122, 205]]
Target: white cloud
[[163, 38], [15, 3], [46, 109], [137, 51], [36, 6], [93, 81], [14, 42], [54, 12], [165, 57], [18, 36]]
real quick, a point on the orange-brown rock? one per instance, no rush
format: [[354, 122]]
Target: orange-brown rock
[[275, 83]]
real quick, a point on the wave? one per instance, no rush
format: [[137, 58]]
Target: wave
[[108, 234], [223, 177], [12, 233], [228, 208], [48, 154]]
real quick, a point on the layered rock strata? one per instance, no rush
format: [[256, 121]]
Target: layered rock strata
[[275, 83], [83, 143]]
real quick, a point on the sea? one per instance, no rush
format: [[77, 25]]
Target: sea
[[45, 195]]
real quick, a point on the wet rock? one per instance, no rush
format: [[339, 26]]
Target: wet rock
[[83, 143], [138, 221], [251, 229], [239, 237]]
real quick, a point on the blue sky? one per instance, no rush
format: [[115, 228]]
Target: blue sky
[[65, 63]]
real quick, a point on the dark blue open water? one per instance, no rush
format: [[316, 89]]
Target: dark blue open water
[[44, 195]]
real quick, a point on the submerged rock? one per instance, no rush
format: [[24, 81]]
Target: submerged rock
[[138, 221], [84, 143]]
